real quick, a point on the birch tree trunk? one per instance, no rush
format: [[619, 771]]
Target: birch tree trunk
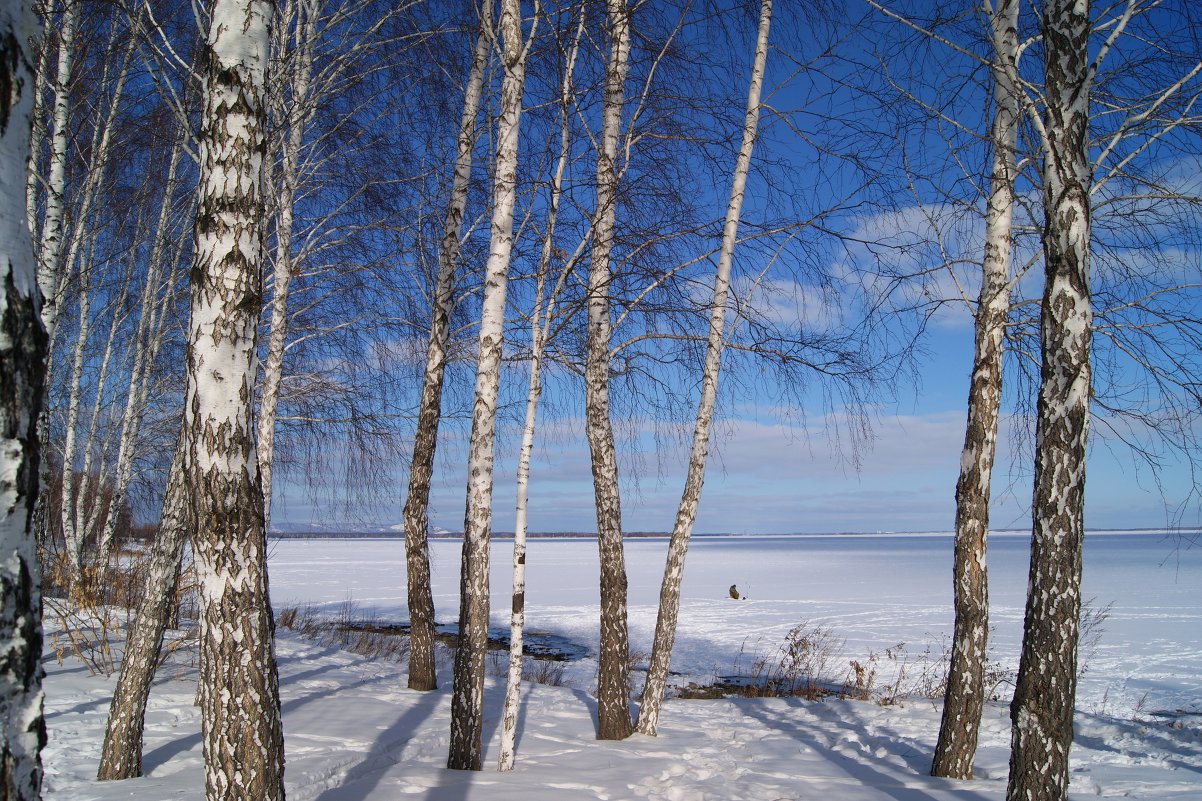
[[239, 693], [296, 116], [121, 753], [686, 513], [82, 241], [23, 345], [422, 674], [1042, 709], [50, 248], [148, 338], [965, 695], [467, 697], [540, 324], [38, 129], [89, 513], [72, 489], [613, 693]]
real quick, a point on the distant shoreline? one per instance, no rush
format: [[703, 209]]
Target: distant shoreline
[[588, 535]]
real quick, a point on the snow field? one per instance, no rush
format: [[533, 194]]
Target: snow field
[[353, 731]]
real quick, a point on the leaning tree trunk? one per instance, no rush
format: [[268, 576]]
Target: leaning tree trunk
[[686, 513], [121, 754], [540, 324], [22, 372], [422, 675], [965, 696], [467, 695], [613, 693], [239, 694], [1044, 696]]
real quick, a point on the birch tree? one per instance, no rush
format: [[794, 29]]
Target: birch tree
[[50, 247], [121, 751], [541, 319], [322, 85], [239, 693], [965, 696], [613, 700], [1045, 693], [686, 514], [298, 29], [23, 345], [148, 340], [467, 698], [336, 191], [1131, 129], [72, 250], [422, 674]]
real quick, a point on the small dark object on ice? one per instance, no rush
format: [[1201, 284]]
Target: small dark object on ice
[[734, 593]]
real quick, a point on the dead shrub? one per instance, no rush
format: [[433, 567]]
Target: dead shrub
[[799, 667]]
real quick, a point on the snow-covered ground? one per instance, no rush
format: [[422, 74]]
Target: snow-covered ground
[[354, 733]]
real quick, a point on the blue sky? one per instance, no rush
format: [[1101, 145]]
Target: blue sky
[[774, 469], [768, 476]]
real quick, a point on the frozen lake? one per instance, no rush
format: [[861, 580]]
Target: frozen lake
[[874, 591]]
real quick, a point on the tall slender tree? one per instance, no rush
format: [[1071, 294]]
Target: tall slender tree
[[239, 693], [22, 372], [613, 692], [686, 514], [540, 325], [296, 37], [148, 339], [1045, 693], [422, 674], [467, 698], [50, 246], [965, 696]]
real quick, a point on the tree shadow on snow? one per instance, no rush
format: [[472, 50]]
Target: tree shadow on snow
[[1141, 741], [860, 769], [454, 785], [167, 751], [364, 777]]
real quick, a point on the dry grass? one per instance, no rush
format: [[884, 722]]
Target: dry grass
[[805, 664], [534, 671], [347, 629], [93, 609]]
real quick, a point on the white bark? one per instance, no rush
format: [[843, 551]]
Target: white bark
[[613, 701], [38, 136], [82, 240], [540, 323], [965, 696], [1044, 695], [22, 365], [467, 700], [72, 536], [239, 691], [121, 752], [686, 514], [92, 477], [50, 249], [296, 116], [148, 338], [425, 441]]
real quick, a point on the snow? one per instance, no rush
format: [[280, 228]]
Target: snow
[[355, 733]]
